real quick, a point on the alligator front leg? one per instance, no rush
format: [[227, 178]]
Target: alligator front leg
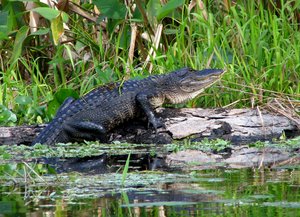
[[84, 130], [148, 102]]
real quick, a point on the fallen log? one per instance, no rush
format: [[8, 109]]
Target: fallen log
[[237, 125]]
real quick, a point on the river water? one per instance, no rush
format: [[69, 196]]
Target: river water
[[218, 192]]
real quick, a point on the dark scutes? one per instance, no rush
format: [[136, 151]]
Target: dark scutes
[[106, 107]]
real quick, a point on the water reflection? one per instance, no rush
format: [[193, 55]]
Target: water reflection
[[197, 193]]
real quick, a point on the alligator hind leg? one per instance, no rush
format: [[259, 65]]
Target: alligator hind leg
[[84, 130]]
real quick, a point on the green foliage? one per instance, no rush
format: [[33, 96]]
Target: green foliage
[[257, 44], [18, 44], [125, 170], [216, 145], [29, 172], [282, 142], [113, 9], [57, 28], [25, 111], [48, 13], [59, 97], [166, 9], [7, 117], [3, 25]]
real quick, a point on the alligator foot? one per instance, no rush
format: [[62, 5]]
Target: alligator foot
[[157, 124]]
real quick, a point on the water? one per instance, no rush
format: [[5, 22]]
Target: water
[[219, 192]]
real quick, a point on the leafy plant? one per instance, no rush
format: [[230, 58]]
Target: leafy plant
[[59, 98], [29, 172], [7, 117], [82, 46]]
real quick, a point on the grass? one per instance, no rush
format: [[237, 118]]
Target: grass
[[9, 153], [257, 45]]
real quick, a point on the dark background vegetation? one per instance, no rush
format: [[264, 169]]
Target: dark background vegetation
[[49, 52]]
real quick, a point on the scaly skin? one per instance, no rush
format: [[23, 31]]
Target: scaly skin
[[104, 108]]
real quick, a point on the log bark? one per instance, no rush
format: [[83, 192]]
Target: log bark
[[237, 125]]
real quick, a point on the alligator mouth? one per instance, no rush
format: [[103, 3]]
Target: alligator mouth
[[209, 79], [194, 85]]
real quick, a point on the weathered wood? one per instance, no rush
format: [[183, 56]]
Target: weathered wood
[[19, 134], [237, 125]]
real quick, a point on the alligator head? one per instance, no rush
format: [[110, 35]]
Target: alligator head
[[186, 83]]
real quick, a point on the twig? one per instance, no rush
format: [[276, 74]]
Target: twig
[[145, 18], [285, 111], [154, 46], [132, 44], [261, 119]]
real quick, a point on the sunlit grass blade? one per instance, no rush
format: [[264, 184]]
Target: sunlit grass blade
[[125, 170]]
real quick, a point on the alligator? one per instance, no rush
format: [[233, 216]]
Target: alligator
[[104, 108]]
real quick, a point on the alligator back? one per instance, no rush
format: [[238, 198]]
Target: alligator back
[[108, 105]]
